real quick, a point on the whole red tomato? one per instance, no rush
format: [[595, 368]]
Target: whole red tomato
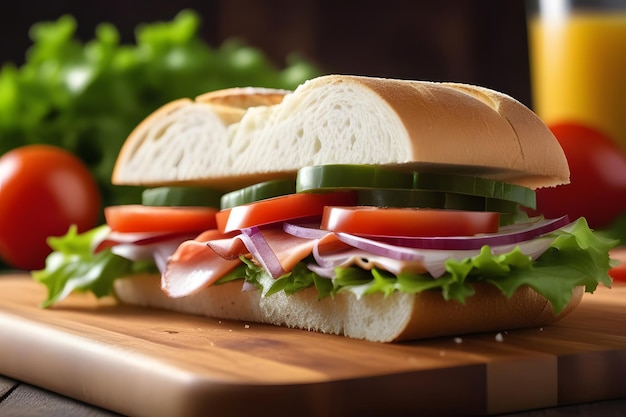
[[43, 190], [597, 190], [618, 272]]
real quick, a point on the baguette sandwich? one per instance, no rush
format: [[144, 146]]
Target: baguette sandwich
[[377, 209]]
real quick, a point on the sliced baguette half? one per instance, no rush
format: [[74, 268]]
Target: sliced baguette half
[[186, 136], [343, 119]]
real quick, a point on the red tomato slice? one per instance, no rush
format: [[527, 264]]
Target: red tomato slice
[[137, 218], [279, 209], [377, 221]]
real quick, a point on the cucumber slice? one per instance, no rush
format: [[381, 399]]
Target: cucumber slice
[[456, 201], [256, 192], [509, 211], [433, 199], [419, 198], [181, 196], [380, 197], [339, 176], [502, 206], [483, 187]]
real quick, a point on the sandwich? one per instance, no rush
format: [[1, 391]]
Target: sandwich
[[376, 209]]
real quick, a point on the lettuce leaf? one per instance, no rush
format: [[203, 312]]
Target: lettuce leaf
[[577, 257], [73, 266]]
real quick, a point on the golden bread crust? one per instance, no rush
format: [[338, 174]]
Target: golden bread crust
[[373, 317]]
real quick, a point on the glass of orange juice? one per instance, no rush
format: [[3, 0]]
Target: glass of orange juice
[[578, 63]]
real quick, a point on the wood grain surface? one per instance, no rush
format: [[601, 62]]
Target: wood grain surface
[[145, 362]]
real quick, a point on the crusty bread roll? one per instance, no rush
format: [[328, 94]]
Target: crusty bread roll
[[398, 317], [344, 119]]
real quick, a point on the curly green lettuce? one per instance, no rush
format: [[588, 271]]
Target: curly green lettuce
[[74, 266], [577, 257], [87, 97]]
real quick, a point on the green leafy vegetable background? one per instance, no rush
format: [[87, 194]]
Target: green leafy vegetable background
[[88, 96]]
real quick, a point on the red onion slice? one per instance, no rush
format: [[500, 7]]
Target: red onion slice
[[527, 236], [133, 252], [432, 261], [259, 248], [506, 236], [380, 248], [431, 252], [367, 260], [370, 245], [305, 231], [113, 238], [160, 250]]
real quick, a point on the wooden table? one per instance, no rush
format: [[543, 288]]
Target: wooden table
[[146, 362]]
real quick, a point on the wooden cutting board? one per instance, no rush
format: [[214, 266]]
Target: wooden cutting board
[[145, 362]]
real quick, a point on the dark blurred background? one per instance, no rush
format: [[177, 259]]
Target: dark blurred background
[[476, 41]]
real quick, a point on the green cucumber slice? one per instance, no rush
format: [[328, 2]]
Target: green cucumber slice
[[379, 197], [181, 196], [502, 206], [483, 187], [433, 199], [336, 176], [509, 211], [256, 192], [419, 198], [456, 201]]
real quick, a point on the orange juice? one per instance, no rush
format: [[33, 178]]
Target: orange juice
[[578, 70]]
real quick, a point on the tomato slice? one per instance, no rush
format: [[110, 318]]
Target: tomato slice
[[280, 209], [378, 221], [137, 218]]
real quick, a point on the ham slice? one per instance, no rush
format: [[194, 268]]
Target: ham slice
[[278, 252], [199, 263], [194, 266]]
